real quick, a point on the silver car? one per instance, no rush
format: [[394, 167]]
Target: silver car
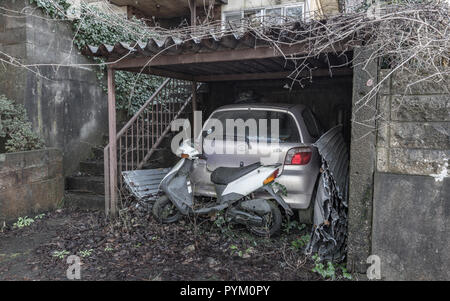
[[300, 161]]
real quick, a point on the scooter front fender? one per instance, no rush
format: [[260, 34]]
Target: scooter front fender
[[176, 185]]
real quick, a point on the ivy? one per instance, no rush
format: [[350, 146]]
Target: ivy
[[16, 133], [132, 89]]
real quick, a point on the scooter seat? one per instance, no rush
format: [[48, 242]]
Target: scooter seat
[[226, 175]]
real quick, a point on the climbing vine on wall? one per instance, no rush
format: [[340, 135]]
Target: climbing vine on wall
[[16, 134], [132, 90]]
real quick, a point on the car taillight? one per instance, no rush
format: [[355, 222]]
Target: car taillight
[[298, 156]]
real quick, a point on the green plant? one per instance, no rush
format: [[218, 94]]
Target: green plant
[[23, 222], [345, 273], [60, 254], [86, 253], [279, 188], [108, 249], [132, 89], [326, 271], [300, 242], [16, 134], [241, 253], [289, 226], [39, 216]]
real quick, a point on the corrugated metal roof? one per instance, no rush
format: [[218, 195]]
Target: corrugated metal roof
[[226, 55], [144, 184], [334, 151], [173, 45]]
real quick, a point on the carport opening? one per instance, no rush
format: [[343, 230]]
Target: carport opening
[[329, 98]]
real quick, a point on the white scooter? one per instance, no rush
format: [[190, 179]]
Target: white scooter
[[234, 189]]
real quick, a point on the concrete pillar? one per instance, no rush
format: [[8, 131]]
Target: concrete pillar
[[362, 162]]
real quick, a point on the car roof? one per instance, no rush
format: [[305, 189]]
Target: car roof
[[279, 106]]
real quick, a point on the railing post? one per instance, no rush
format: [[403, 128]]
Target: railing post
[[194, 108], [112, 142], [106, 175]]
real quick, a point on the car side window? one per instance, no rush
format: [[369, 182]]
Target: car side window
[[311, 124]]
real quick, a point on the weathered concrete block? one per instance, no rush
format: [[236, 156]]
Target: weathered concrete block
[[30, 182], [13, 36], [420, 135], [417, 161], [421, 108], [411, 220], [385, 82], [382, 159], [402, 84]]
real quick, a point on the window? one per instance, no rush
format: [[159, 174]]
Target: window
[[311, 124], [294, 13], [288, 130], [273, 15], [253, 16], [233, 20]]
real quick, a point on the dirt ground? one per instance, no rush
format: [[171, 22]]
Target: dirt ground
[[135, 247]]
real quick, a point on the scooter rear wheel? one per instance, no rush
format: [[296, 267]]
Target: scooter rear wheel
[[164, 211], [273, 223]]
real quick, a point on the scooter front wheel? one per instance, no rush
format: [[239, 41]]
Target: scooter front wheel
[[272, 223], [164, 211]]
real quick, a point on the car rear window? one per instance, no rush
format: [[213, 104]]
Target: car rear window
[[288, 127], [311, 124]]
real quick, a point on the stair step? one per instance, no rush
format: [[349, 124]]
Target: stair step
[[94, 168], [92, 184], [84, 200]]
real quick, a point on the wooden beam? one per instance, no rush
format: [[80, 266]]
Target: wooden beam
[[207, 57], [166, 73], [193, 9], [269, 75], [112, 142]]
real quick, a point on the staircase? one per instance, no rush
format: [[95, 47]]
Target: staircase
[[144, 142]]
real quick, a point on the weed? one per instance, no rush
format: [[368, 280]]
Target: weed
[[241, 253], [39, 216], [345, 273], [86, 253], [289, 226], [326, 271], [60, 254], [23, 222], [300, 242]]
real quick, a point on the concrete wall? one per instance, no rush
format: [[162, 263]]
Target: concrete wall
[[66, 105], [30, 183], [411, 208]]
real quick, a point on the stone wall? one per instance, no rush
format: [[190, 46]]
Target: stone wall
[[413, 129], [66, 105], [411, 208], [30, 183]]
